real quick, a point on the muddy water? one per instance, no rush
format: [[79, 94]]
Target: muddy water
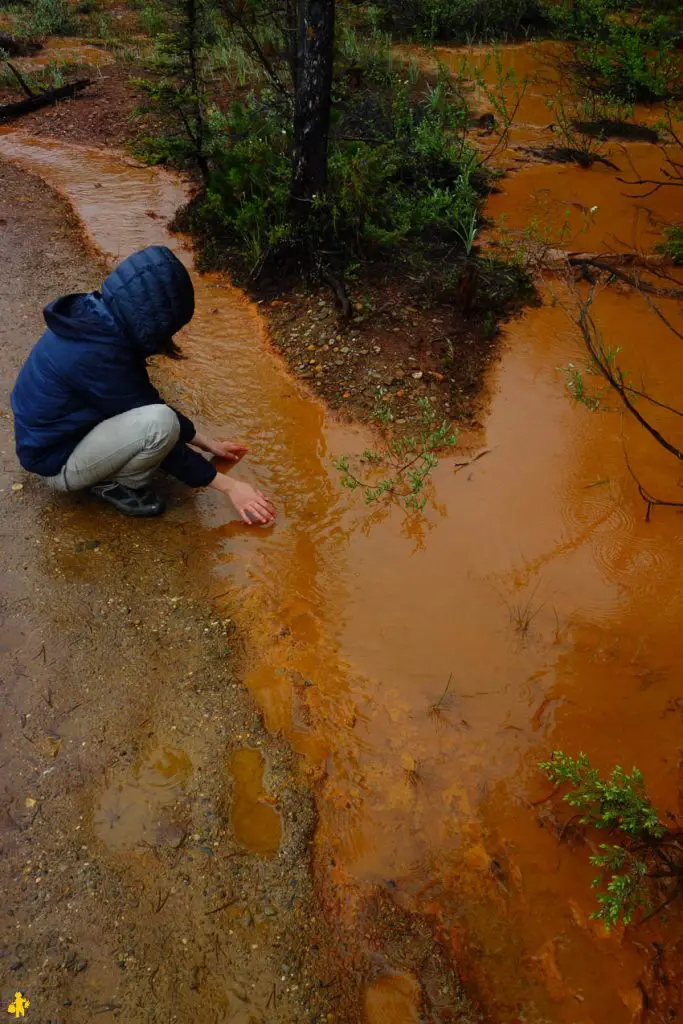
[[256, 823], [132, 813], [534, 580]]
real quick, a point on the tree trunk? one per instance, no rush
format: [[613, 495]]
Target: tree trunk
[[312, 104], [42, 99]]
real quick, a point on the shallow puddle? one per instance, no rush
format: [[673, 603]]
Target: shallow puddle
[[533, 580], [133, 811], [392, 999], [587, 209], [255, 822], [527, 76]]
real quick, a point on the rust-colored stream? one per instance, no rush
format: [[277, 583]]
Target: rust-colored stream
[[357, 622]]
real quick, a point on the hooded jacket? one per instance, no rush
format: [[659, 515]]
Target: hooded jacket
[[90, 364]]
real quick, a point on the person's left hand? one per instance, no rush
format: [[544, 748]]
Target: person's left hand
[[229, 451]]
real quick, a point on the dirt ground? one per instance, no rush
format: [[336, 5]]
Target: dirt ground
[[126, 895], [155, 841]]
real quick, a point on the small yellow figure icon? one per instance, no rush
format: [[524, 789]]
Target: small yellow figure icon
[[20, 1005]]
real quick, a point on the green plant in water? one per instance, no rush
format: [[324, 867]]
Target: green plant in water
[[575, 378], [576, 386], [673, 243], [444, 702], [407, 460], [647, 854], [580, 122]]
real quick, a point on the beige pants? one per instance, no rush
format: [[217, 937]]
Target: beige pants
[[127, 449]]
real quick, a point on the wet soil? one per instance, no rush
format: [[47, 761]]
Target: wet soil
[[392, 355], [126, 891], [104, 114]]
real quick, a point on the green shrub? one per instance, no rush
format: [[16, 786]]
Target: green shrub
[[673, 243], [647, 853], [462, 20], [630, 57], [177, 94], [45, 18], [402, 182], [152, 20]]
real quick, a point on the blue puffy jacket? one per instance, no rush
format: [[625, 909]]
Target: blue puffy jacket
[[91, 364]]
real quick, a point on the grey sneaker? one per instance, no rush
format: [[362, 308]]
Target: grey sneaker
[[130, 500]]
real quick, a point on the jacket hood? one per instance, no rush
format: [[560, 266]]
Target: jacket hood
[[151, 296], [81, 316]]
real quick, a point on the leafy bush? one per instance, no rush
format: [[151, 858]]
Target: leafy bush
[[647, 852], [462, 20], [177, 94], [629, 56], [401, 179], [673, 243]]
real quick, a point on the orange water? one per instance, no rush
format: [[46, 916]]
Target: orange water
[[256, 823], [356, 622]]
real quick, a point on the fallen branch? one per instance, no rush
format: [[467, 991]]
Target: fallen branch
[[457, 466], [649, 499], [10, 111], [620, 275], [18, 47], [25, 87], [613, 375]]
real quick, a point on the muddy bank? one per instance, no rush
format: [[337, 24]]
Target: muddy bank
[[127, 893]]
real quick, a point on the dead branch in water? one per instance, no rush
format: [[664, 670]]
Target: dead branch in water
[[650, 500], [630, 279], [614, 375], [604, 362], [671, 170], [10, 111]]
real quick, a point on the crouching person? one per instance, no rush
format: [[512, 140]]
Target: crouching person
[[86, 414]]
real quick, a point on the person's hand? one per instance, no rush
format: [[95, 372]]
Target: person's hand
[[250, 504], [229, 451]]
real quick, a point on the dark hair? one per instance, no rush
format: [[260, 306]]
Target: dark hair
[[170, 349]]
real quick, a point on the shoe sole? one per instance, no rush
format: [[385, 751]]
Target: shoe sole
[[131, 513]]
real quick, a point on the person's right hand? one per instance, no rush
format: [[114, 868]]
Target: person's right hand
[[252, 506]]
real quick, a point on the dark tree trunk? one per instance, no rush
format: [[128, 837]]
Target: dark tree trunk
[[42, 99], [312, 102], [291, 36]]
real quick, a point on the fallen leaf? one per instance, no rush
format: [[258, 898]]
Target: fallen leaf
[[17, 487]]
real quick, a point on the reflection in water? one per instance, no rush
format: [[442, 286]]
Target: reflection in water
[[354, 632]]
